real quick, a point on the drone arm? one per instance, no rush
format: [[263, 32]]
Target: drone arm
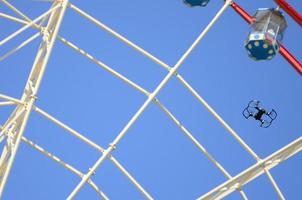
[[265, 124]]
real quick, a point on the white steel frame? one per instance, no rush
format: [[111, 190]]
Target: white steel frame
[[12, 131]]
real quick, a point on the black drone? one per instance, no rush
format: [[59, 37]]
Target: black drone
[[254, 110]]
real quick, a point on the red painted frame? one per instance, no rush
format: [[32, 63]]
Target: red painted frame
[[290, 11], [283, 51]]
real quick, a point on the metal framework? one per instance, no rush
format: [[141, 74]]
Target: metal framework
[[13, 129]]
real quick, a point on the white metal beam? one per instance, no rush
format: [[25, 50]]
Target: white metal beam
[[165, 110], [14, 19], [8, 98], [62, 163], [65, 165], [95, 146], [20, 46], [140, 89], [112, 146], [32, 85], [13, 35], [7, 103], [68, 129], [254, 171], [167, 67]]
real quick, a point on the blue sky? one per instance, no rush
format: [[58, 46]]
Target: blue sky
[[154, 151]]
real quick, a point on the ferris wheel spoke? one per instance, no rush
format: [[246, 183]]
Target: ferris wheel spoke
[[96, 147], [13, 35], [8, 98], [14, 19], [64, 164], [254, 171], [20, 46], [7, 103], [103, 65], [113, 145], [198, 144]]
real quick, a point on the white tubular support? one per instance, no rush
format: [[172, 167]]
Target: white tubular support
[[95, 146], [118, 36], [68, 129], [64, 164], [254, 171], [103, 65], [32, 85], [20, 46], [147, 102], [218, 118], [11, 121], [164, 65], [134, 182], [197, 144], [274, 184], [15, 10], [8, 98], [14, 19], [28, 25], [7, 103], [140, 89]]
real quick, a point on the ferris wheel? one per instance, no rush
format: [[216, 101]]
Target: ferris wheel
[[263, 42]]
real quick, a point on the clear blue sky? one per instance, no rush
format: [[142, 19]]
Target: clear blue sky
[[154, 151]]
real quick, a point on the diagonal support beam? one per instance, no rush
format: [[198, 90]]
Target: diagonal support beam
[[20, 46], [157, 102], [65, 165], [32, 86], [8, 98], [254, 171], [13, 35], [7, 103], [70, 130], [113, 145], [14, 19], [168, 68], [96, 147], [62, 163]]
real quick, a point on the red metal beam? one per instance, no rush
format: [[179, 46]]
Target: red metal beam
[[283, 51], [291, 59], [242, 13], [290, 10]]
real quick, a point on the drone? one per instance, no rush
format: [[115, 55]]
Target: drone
[[254, 110]]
